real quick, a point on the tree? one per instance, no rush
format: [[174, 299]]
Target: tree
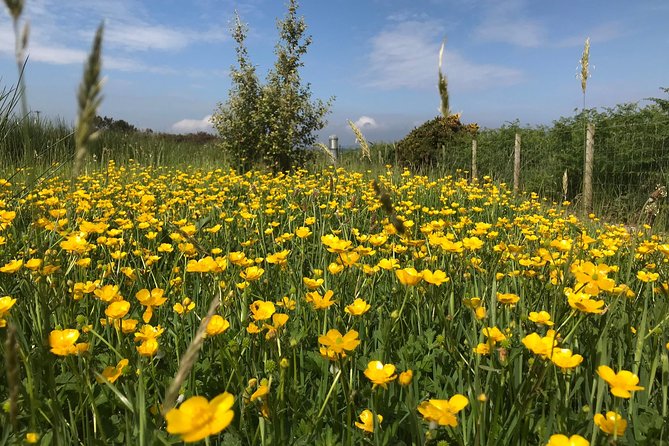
[[289, 115], [662, 103], [238, 121]]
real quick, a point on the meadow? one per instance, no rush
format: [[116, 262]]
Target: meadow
[[329, 307]]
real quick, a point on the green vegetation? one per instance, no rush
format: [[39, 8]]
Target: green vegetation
[[274, 123]]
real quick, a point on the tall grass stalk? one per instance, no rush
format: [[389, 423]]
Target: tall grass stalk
[[89, 98]]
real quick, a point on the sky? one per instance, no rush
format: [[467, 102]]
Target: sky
[[166, 62]]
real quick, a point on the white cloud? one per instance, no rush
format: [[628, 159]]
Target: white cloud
[[505, 22], [405, 55], [193, 125], [366, 122], [61, 34], [599, 34]]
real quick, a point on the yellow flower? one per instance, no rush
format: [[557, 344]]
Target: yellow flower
[[508, 298], [335, 268], [6, 303], [472, 243], [591, 278], [62, 342], [148, 347], [408, 276], [207, 265], [112, 373], [150, 299], [287, 303], [303, 232], [541, 318], [32, 437], [251, 273], [367, 421], [494, 335], [335, 342], [405, 378], [198, 418], [480, 313], [148, 332], [442, 412], [613, 422], [183, 307], [357, 308], [542, 346], [621, 383], [129, 325], [312, 284], [279, 258], [262, 310], [349, 258], [12, 267], [582, 302], [217, 325], [76, 244], [563, 358], [33, 264], [388, 264], [563, 440], [118, 309], [482, 348], [435, 278], [380, 374], [261, 391], [108, 293], [321, 302], [645, 276]]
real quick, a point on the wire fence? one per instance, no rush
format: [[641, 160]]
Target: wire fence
[[630, 162]]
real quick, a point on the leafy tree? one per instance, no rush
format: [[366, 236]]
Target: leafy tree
[[274, 123], [238, 121], [662, 103], [117, 125]]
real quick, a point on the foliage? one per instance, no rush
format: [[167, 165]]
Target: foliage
[[238, 120], [324, 310], [275, 122], [111, 124], [435, 142]]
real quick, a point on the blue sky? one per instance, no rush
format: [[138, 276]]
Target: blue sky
[[166, 62]]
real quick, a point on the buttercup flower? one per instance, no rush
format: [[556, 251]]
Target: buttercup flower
[[217, 325], [338, 344], [366, 422], [541, 318], [112, 373], [622, 383], [380, 374], [611, 423], [198, 418], [563, 440], [321, 302], [62, 342], [409, 276], [262, 310], [442, 412], [357, 308]]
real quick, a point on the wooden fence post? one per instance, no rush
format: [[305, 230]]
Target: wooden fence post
[[474, 172], [587, 168], [516, 164]]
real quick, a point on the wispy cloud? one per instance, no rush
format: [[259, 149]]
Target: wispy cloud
[[193, 125], [404, 55], [506, 22], [61, 34], [598, 34]]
